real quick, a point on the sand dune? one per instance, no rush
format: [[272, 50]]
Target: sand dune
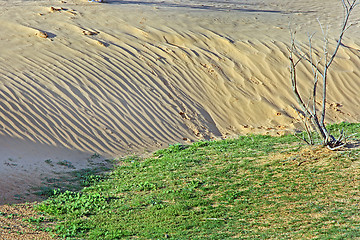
[[127, 77]]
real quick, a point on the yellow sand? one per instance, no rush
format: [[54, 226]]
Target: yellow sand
[[127, 77]]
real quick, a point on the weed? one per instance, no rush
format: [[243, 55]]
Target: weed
[[35, 220], [49, 161], [94, 156], [44, 191], [66, 163], [77, 204]]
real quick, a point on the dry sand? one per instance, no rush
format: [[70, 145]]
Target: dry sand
[[126, 77]]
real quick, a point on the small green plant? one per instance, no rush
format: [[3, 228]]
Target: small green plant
[[66, 163], [94, 156], [77, 204], [12, 215], [44, 191], [171, 149], [89, 176], [49, 161], [34, 220], [10, 162], [146, 186]]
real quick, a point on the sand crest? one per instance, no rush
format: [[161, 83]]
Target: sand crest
[[127, 77]]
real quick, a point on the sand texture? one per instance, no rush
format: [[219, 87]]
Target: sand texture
[[126, 77]]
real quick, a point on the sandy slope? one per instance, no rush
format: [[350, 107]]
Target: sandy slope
[[126, 77]]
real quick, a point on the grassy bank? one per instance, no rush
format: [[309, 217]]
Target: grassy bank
[[250, 187]]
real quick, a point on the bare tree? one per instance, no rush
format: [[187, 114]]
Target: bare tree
[[320, 71]]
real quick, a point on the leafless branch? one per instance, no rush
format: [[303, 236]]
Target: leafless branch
[[320, 69], [302, 139], [336, 147]]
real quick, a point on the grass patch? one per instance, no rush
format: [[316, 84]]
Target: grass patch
[[253, 187], [71, 181]]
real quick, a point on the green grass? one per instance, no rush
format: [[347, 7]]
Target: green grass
[[253, 187], [72, 181]]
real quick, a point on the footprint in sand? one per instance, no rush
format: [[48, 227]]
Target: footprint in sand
[[52, 9], [41, 34], [87, 32]]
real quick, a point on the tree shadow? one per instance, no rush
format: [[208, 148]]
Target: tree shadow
[[353, 144], [350, 48]]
